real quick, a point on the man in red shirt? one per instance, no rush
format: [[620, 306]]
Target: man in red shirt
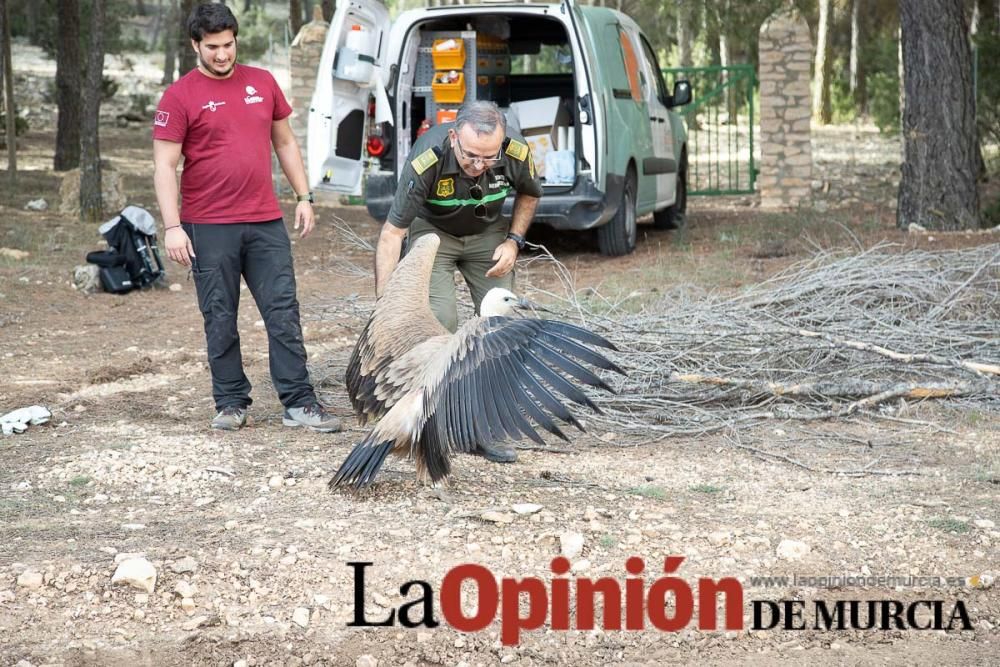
[[223, 117]]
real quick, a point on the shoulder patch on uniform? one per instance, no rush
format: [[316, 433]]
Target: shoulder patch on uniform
[[423, 161], [517, 150]]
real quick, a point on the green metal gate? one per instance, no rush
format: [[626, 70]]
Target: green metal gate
[[720, 124]]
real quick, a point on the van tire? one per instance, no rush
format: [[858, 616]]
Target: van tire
[[618, 236], [675, 217]]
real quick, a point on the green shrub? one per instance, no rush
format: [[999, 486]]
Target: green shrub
[[883, 101]]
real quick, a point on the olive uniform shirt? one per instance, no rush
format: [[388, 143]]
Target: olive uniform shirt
[[434, 187]]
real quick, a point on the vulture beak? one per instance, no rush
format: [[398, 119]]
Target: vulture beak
[[528, 304]]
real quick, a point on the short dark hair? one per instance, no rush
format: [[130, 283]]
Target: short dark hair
[[210, 18]]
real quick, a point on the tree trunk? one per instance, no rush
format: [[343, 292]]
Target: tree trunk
[[683, 35], [821, 76], [857, 68], [295, 15], [328, 7], [186, 60], [91, 209], [937, 188], [170, 43], [10, 107], [68, 87]]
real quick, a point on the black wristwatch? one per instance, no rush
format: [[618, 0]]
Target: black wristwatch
[[306, 197], [518, 239]]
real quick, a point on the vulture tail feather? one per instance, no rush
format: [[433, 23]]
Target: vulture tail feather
[[433, 451], [362, 464]]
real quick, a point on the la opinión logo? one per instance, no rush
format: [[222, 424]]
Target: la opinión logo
[[667, 604]]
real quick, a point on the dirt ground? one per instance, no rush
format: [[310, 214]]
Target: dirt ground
[[250, 549]]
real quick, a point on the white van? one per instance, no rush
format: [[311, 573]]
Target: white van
[[581, 83]]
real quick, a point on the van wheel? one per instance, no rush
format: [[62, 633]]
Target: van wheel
[[618, 236], [675, 217]]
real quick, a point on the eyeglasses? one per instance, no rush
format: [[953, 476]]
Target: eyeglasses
[[475, 159], [476, 192]]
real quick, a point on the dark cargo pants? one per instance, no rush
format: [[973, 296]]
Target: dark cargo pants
[[473, 256], [260, 252]]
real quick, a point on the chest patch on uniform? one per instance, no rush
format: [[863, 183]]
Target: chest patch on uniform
[[517, 150], [424, 160], [446, 187]]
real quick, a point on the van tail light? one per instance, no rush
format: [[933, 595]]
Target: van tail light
[[376, 146]]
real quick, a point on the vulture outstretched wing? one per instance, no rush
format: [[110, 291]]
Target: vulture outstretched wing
[[496, 378]]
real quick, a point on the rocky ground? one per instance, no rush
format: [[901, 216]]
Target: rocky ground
[[134, 534]]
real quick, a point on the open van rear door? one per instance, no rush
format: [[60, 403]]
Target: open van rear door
[[350, 71]]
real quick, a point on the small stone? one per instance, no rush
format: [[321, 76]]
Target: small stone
[[792, 549], [184, 589], [718, 538], [37, 205], [497, 517], [136, 572], [571, 544], [275, 482], [232, 524], [914, 227], [241, 663], [526, 508], [184, 565], [133, 526], [30, 579], [196, 622], [366, 661], [176, 287], [201, 502], [508, 658], [984, 523], [288, 560], [424, 637], [301, 617], [581, 565]]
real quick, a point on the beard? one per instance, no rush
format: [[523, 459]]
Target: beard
[[214, 69]]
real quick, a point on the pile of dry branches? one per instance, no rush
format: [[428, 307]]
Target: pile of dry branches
[[844, 333], [832, 336]]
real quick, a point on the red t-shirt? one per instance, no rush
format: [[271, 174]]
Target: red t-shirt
[[224, 127]]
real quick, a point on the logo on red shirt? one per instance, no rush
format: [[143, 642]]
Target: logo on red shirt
[[252, 96], [213, 105], [161, 118]]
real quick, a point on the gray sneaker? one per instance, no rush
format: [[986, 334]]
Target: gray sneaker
[[313, 416], [230, 418]]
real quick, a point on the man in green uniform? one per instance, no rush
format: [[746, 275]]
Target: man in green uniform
[[454, 184]]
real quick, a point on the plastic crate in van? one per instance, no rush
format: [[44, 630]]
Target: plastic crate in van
[[448, 88], [448, 53]]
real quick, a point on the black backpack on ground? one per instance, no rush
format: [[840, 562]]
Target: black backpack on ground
[[132, 260]]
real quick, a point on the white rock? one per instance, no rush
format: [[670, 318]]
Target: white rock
[[497, 517], [184, 565], [188, 605], [184, 589], [366, 661], [571, 544], [37, 205], [914, 227], [176, 287], [581, 565], [275, 482], [526, 508], [30, 579], [241, 663], [301, 617], [984, 523], [136, 572], [792, 549]]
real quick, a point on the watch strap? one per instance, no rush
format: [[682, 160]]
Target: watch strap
[[306, 197], [518, 239]]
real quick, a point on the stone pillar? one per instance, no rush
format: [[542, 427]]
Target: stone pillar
[[304, 54], [785, 151]]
